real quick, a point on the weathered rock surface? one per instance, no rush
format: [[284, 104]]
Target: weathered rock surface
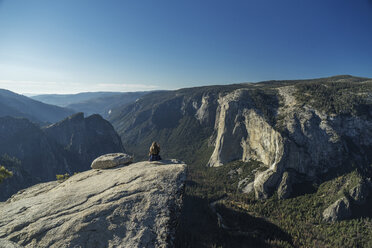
[[111, 160], [4, 243], [285, 125], [310, 144], [242, 133], [131, 206], [340, 210]]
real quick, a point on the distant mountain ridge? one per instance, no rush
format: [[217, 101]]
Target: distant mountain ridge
[[92, 102], [64, 100], [15, 105]]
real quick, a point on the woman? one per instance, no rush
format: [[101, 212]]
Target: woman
[[154, 152]]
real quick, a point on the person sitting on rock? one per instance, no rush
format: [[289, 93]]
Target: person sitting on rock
[[154, 152]]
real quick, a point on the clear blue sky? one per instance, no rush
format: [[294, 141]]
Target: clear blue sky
[[86, 45]]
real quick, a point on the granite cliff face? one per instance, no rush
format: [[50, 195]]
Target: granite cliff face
[[66, 147], [131, 206], [300, 129], [304, 139]]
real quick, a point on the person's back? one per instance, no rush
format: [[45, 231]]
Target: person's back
[[154, 152]]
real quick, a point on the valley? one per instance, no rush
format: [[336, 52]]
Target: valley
[[269, 164]]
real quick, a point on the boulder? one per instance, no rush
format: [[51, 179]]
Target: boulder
[[131, 206], [340, 210], [111, 160]]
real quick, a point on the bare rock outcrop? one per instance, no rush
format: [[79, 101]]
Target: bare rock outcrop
[[111, 160], [301, 139], [242, 133], [131, 206], [340, 210]]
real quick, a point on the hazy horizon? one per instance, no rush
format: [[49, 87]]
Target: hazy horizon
[[104, 88], [53, 47]]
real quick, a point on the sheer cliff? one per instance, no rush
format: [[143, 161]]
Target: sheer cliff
[[306, 127]]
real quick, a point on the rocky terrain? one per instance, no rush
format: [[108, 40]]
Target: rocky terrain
[[128, 206], [292, 139], [271, 164], [15, 105], [65, 147], [275, 123]]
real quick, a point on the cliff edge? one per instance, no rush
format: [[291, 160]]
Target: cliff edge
[[130, 206]]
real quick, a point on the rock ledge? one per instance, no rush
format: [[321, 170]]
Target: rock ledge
[[132, 206]]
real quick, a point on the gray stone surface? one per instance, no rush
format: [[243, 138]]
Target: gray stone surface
[[131, 206], [311, 142], [4, 243], [340, 210], [111, 160]]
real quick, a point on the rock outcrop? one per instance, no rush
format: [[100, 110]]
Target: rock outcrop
[[131, 206], [87, 137], [340, 210], [111, 160], [243, 133], [309, 127], [303, 140]]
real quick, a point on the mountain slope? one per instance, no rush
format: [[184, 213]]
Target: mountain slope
[[182, 121], [104, 104], [282, 124], [12, 104], [298, 144], [64, 100], [65, 147]]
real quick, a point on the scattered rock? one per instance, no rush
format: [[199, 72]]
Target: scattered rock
[[132, 206], [340, 210], [111, 160]]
